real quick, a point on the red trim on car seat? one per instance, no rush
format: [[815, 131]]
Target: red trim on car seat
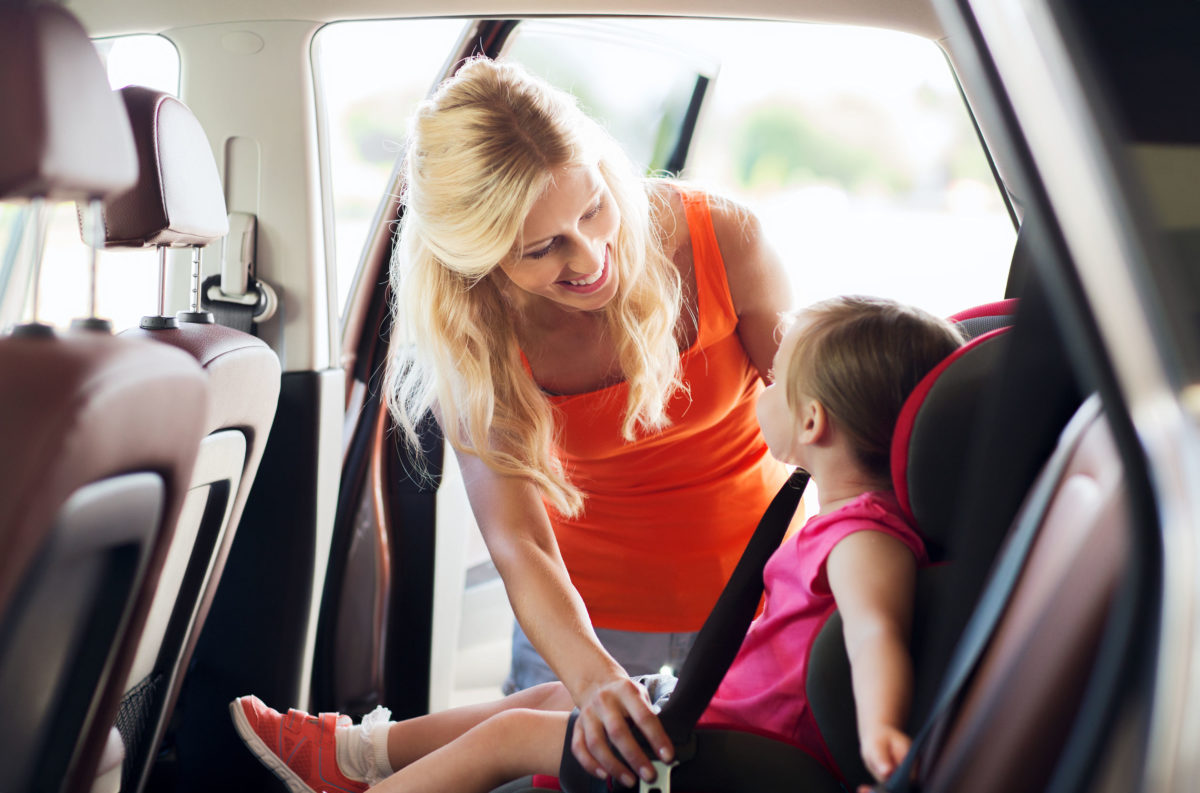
[[1001, 308], [902, 435], [546, 782]]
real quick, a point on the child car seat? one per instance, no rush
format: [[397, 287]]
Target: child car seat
[[942, 407]]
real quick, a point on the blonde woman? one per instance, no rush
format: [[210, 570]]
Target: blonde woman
[[592, 344]]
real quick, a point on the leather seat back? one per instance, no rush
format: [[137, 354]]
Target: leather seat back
[[178, 201], [99, 434], [97, 461]]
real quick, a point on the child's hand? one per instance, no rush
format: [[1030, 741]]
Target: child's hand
[[883, 749]]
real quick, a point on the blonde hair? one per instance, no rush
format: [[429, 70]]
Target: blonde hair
[[860, 358], [481, 151]]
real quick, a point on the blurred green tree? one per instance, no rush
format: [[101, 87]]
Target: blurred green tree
[[779, 146]]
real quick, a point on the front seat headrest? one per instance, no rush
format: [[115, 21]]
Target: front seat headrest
[[63, 133], [178, 199]]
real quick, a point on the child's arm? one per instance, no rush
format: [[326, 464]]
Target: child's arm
[[872, 577]]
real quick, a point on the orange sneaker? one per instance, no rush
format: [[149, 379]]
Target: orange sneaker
[[298, 748]]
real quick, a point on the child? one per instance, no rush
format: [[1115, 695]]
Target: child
[[842, 373]]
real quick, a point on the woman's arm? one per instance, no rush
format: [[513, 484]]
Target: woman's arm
[[758, 282], [521, 542], [872, 576]]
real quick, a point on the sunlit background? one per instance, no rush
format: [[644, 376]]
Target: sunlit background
[[853, 146]]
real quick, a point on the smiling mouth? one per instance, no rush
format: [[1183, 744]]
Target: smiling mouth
[[590, 283]]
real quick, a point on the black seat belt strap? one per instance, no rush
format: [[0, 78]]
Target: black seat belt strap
[[720, 637], [716, 644]]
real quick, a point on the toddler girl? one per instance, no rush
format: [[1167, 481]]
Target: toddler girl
[[841, 374]]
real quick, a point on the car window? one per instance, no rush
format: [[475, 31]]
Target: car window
[[369, 77], [127, 280], [852, 145], [643, 94]]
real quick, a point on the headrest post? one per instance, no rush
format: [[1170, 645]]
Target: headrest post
[[37, 220], [160, 321], [195, 279], [94, 238], [37, 229], [195, 314], [95, 223], [162, 280]]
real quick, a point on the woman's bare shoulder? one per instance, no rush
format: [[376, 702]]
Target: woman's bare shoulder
[[668, 215]]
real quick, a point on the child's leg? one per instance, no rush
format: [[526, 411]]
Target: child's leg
[[510, 744], [309, 752], [414, 738]]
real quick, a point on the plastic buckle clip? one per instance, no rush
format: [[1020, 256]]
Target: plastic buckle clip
[[662, 778]]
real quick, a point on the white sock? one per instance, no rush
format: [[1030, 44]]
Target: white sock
[[362, 748]]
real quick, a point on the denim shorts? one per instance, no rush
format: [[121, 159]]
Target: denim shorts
[[638, 652]]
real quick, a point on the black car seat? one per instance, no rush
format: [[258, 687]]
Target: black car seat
[[99, 435], [1013, 720], [929, 454], [929, 450], [178, 202], [934, 445], [1001, 508], [979, 320]]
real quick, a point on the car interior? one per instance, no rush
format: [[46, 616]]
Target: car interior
[[202, 493]]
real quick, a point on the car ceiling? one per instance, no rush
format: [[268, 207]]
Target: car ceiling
[[113, 17]]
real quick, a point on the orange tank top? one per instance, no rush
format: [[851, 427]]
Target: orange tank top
[[666, 516]]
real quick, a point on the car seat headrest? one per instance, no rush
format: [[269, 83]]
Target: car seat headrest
[[931, 442], [178, 199], [63, 133], [986, 318]]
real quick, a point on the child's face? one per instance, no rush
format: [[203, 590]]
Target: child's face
[[775, 418]]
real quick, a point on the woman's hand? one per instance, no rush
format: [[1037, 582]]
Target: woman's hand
[[883, 749], [514, 524], [603, 714]]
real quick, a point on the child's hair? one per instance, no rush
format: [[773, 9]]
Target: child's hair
[[860, 358]]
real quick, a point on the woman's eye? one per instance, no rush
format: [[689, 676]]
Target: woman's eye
[[541, 252], [594, 211]]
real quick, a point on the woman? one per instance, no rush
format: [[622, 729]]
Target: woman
[[592, 344]]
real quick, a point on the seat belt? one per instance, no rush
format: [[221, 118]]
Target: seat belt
[[715, 647], [721, 636]]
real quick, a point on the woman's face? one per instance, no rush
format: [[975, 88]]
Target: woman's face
[[775, 417], [568, 238]]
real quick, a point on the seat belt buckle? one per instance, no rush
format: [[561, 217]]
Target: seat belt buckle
[[662, 778]]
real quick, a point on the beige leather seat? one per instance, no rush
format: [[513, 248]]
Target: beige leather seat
[[99, 436], [178, 201]]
